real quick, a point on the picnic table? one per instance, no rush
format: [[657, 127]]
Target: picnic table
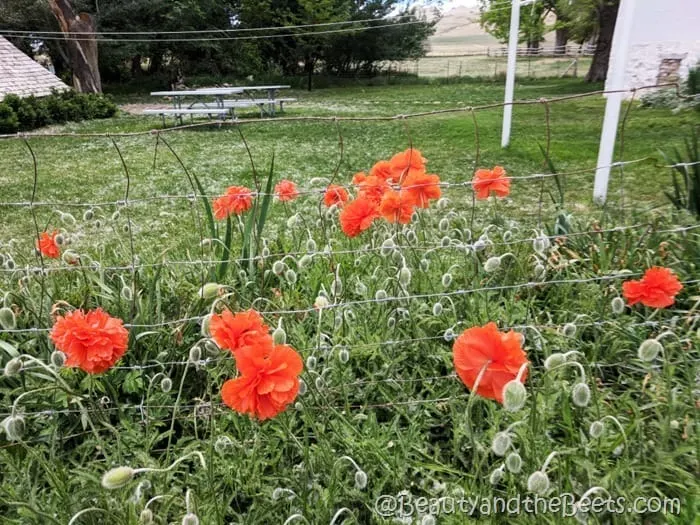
[[222, 105]]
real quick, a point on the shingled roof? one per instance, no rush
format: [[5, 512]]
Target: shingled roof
[[22, 76]]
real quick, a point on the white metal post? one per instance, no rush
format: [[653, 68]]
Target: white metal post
[[510, 71], [615, 81]]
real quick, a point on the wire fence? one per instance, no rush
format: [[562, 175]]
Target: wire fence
[[45, 271]]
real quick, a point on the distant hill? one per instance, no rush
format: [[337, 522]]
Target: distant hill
[[458, 31]]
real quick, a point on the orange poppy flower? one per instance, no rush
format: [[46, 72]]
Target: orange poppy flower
[[238, 199], [657, 288], [382, 169], [359, 178], [46, 244], [235, 331], [286, 190], [486, 182], [499, 353], [269, 381], [422, 187], [357, 216], [373, 188], [92, 340], [335, 195], [397, 206], [401, 163]]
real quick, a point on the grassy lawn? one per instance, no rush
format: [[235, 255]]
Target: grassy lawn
[[380, 412]]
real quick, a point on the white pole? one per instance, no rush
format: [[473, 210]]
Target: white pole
[[615, 81], [510, 73]]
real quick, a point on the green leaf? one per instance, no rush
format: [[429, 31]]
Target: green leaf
[[223, 266], [207, 207]]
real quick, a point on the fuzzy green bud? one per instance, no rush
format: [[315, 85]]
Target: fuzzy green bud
[[360, 480], [70, 257], [14, 427], [387, 247], [88, 215], [437, 309], [617, 305], [13, 367], [146, 516], [58, 358], [7, 319], [554, 361], [291, 276], [424, 265], [278, 267], [344, 355], [514, 396], [446, 280], [126, 293], [514, 463], [190, 519], [581, 395], [404, 276], [117, 477], [444, 225], [596, 429], [569, 329], [501, 443], [195, 355], [209, 291], [380, 295], [279, 336], [166, 384], [492, 264], [538, 482], [496, 476], [649, 349]]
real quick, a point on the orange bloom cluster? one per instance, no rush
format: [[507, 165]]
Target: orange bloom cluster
[[237, 200], [269, 373], [335, 195], [286, 190], [47, 246], [657, 288], [392, 190], [92, 340], [486, 182], [495, 356]]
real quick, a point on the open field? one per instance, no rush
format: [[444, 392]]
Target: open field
[[380, 414]]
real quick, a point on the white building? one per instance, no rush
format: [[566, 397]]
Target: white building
[[664, 43]]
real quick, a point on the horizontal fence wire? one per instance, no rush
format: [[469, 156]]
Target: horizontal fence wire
[[388, 118], [358, 251]]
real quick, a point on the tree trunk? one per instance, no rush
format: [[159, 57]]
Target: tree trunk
[[607, 17], [533, 47], [561, 37], [82, 53]]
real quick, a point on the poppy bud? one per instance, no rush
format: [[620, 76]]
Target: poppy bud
[[117, 477], [581, 395], [336, 287], [7, 319], [507, 235], [492, 264], [279, 336], [321, 302], [344, 356], [501, 443], [57, 358], [446, 280], [146, 516], [88, 215], [380, 295], [674, 424], [444, 225], [70, 257], [554, 360], [195, 355], [278, 267], [449, 335], [360, 288], [166, 384], [13, 367], [209, 291], [391, 323], [424, 265], [126, 293], [569, 330], [496, 476], [320, 383], [387, 247], [204, 329], [514, 462], [302, 387], [311, 362], [311, 245], [445, 242], [619, 449], [514, 395], [443, 203], [59, 239], [479, 245], [98, 224], [304, 261], [190, 519], [360, 480], [428, 519], [540, 243], [437, 309], [10, 264], [649, 349], [596, 429], [538, 482], [221, 444], [265, 252], [291, 276], [410, 234], [292, 222], [540, 271], [404, 276], [617, 305]]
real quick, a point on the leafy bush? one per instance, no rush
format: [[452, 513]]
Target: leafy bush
[[23, 114]]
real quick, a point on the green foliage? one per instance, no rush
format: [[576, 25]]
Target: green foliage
[[686, 175], [692, 83], [23, 114]]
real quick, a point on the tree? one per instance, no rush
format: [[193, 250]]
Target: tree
[[606, 11], [495, 19]]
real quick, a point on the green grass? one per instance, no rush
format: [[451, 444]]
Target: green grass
[[394, 407]]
